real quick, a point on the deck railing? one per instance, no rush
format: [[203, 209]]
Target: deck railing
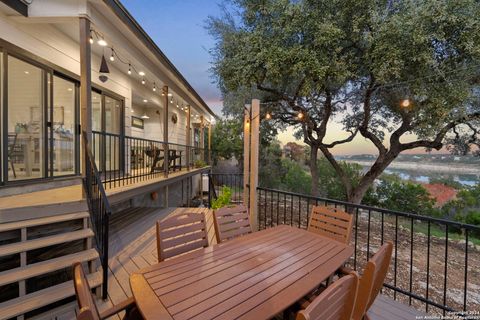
[[232, 180], [99, 208], [435, 261], [124, 160]]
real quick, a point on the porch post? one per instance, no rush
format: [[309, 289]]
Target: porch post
[[209, 143], [165, 131], [85, 85], [254, 145], [202, 136], [246, 153], [189, 137]]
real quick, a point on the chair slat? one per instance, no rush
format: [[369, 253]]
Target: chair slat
[[231, 222], [331, 222], [180, 234], [336, 302]]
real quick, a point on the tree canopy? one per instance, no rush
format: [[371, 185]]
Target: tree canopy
[[386, 70]]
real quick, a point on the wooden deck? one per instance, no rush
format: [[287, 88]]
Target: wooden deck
[[73, 193], [133, 246]]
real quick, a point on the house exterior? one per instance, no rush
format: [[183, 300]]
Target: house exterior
[[80, 80], [51, 52]]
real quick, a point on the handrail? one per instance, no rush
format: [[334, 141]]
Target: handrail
[[99, 208], [413, 235]]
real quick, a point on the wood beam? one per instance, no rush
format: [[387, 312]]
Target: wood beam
[[189, 136], [85, 83], [254, 151], [166, 152], [246, 154]]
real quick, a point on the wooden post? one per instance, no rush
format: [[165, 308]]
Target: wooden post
[[246, 153], [85, 88], [189, 137], [202, 136], [254, 149], [210, 143], [165, 131]]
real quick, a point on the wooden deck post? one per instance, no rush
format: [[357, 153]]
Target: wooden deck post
[[210, 143], [202, 136], [246, 154], [165, 131], [85, 88], [189, 137], [254, 145]]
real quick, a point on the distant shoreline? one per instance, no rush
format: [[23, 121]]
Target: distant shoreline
[[450, 168]]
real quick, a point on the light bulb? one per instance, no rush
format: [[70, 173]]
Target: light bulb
[[405, 103], [102, 42], [268, 116], [91, 39], [143, 81], [300, 115], [141, 73]]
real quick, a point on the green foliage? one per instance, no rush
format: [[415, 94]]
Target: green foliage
[[199, 163], [403, 196], [296, 178], [466, 207], [227, 139], [223, 198], [353, 62], [270, 165]]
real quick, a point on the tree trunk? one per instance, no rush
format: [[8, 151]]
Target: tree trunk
[[314, 170]]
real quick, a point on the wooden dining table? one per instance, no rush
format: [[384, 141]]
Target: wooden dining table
[[251, 277]]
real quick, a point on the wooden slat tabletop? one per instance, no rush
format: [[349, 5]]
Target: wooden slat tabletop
[[252, 277]]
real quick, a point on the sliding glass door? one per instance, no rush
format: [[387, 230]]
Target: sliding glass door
[[39, 122], [26, 120]]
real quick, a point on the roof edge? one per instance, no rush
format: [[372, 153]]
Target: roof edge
[[17, 5], [121, 12]]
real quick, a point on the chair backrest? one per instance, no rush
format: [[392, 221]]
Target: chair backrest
[[181, 233], [231, 222], [331, 222], [86, 304], [372, 280], [12, 141], [336, 302]]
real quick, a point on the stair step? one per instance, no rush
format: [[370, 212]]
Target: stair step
[[36, 269], [41, 298], [44, 242], [42, 221], [26, 212]]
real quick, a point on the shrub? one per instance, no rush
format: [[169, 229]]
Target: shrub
[[223, 198]]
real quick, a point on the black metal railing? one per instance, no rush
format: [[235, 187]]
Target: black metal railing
[[124, 160], [435, 261], [99, 208], [232, 180]]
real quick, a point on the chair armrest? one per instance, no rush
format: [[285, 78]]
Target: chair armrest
[[343, 271], [129, 303]]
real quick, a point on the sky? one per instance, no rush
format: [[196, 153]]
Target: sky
[[177, 27]]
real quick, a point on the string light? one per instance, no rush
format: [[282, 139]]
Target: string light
[[154, 87], [143, 81], [129, 69], [268, 116], [91, 37], [102, 42], [300, 115], [112, 57], [141, 73], [405, 103]]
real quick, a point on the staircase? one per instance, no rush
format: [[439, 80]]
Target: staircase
[[38, 244]]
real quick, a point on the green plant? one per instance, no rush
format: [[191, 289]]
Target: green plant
[[199, 163], [223, 198]]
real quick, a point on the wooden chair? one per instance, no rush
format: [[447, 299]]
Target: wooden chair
[[372, 280], [331, 222], [336, 302], [231, 222], [180, 234], [86, 304]]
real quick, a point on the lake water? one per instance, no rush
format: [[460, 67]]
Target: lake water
[[425, 176]]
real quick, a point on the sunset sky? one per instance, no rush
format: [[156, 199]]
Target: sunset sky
[[178, 29]]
